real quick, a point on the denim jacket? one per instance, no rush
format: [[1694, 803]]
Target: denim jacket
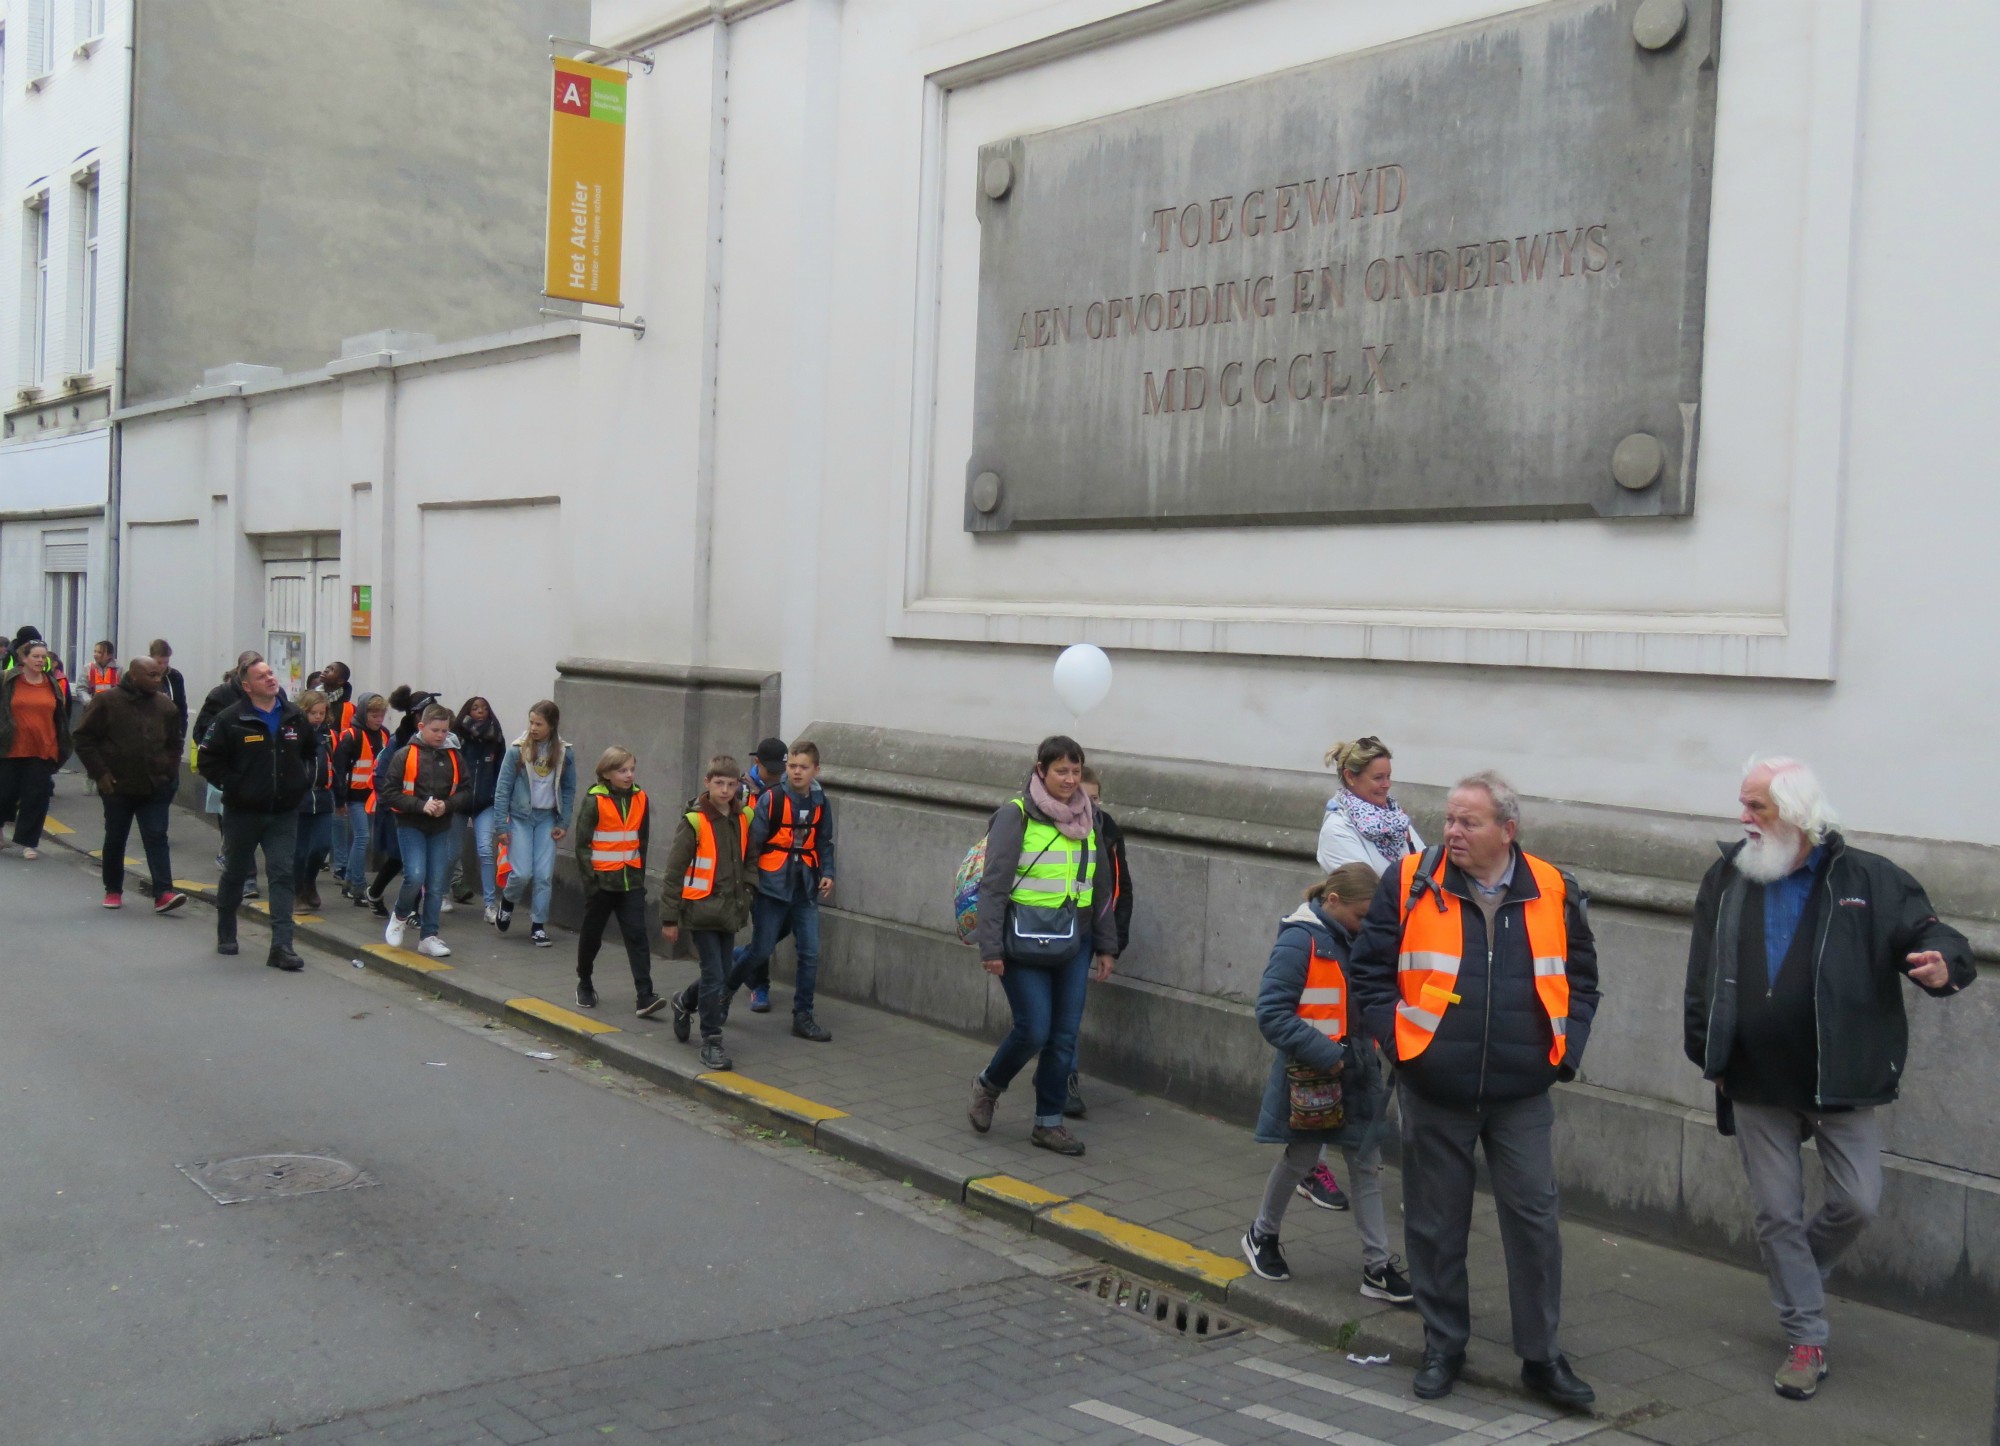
[[512, 796]]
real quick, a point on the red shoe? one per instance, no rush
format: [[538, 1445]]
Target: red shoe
[[171, 900], [114, 901]]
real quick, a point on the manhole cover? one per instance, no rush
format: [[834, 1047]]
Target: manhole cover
[[274, 1177], [1156, 1304]]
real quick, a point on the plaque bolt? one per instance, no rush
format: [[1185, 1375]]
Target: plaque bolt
[[986, 490], [1636, 462], [998, 178], [1659, 23]]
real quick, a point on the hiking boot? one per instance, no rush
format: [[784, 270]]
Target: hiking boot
[[804, 1026], [714, 1056], [1055, 1137], [1073, 1108], [684, 1003], [760, 999], [1436, 1376], [586, 994], [225, 933], [1554, 1381], [1264, 1256], [171, 900], [1322, 1189], [650, 1005], [283, 957], [1387, 1282], [114, 901], [984, 1098], [1800, 1375]]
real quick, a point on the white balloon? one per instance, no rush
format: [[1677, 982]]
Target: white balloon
[[1083, 677]]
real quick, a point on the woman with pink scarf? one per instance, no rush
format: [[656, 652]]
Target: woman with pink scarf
[[1046, 929], [1363, 825]]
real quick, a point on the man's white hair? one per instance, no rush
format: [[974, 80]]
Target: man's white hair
[[1800, 800]]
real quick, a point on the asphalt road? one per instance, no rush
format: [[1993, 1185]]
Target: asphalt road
[[527, 1218]]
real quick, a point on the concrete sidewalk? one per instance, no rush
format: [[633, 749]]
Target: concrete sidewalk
[[1680, 1347]]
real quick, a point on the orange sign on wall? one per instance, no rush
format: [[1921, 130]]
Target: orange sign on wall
[[586, 183]]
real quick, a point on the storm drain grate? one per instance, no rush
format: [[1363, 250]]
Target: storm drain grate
[[1157, 1305], [274, 1177]]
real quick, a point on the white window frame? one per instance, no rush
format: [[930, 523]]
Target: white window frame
[[86, 216], [41, 42], [35, 239]]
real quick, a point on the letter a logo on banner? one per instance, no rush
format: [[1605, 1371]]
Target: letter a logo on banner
[[586, 183]]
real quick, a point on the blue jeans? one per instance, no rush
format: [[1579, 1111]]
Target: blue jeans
[[769, 919], [357, 846], [315, 846], [482, 841], [531, 851], [1048, 1010], [342, 840], [426, 867]]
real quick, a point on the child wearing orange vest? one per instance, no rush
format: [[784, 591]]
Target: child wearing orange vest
[[1304, 1010], [612, 831], [709, 858], [102, 674]]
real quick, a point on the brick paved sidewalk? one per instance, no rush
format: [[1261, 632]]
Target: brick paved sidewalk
[[1680, 1346]]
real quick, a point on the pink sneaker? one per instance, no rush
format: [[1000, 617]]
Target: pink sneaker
[[114, 901]]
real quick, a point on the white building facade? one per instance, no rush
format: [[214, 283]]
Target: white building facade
[[764, 495], [65, 87]]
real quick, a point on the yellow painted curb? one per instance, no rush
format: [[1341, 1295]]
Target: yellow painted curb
[[407, 958], [782, 1102], [59, 829], [564, 1018], [193, 886], [1148, 1245], [1007, 1189]]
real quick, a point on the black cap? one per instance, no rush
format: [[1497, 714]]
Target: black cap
[[771, 750]]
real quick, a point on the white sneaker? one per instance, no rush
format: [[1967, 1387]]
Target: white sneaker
[[446, 906], [432, 945], [492, 914], [394, 932]]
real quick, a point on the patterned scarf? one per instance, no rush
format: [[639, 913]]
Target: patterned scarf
[[1388, 829], [1073, 820]]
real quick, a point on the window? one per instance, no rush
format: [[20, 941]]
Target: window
[[41, 38], [35, 289], [89, 20], [83, 309]]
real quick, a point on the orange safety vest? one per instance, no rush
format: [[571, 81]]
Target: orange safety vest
[[101, 678], [361, 779], [410, 765], [1434, 942], [1323, 1002], [699, 881], [614, 843], [785, 841]]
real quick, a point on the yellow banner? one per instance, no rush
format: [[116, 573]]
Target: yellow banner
[[586, 183]]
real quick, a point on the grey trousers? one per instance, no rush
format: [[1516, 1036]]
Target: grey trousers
[[1800, 1254], [1438, 1144], [1364, 1194]]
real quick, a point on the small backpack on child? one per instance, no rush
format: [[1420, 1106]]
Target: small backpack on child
[[965, 892]]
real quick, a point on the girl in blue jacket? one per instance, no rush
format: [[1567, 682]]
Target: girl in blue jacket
[[1323, 926]]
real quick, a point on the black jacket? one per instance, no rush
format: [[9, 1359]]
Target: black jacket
[[174, 686], [480, 751], [319, 797], [221, 696], [437, 768], [1492, 1046], [1874, 916], [1113, 838], [259, 773], [132, 738]]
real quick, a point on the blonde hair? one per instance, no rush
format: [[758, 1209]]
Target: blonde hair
[[1356, 756], [1350, 883], [611, 760], [310, 699]]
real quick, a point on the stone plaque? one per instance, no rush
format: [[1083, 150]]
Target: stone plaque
[[1454, 277]]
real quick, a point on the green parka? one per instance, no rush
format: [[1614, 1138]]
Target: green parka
[[727, 908]]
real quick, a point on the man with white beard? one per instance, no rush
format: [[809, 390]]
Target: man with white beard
[[1795, 1011]]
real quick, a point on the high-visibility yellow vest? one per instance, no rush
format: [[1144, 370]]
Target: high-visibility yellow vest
[[1053, 868], [1434, 943]]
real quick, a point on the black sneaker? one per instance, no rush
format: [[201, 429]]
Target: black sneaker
[[380, 908], [586, 996], [359, 897], [1322, 1189], [1264, 1256], [804, 1026], [651, 1005], [714, 1056], [1387, 1282], [683, 1014], [539, 937], [250, 889], [505, 917]]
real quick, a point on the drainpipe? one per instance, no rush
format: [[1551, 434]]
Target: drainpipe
[[114, 494]]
